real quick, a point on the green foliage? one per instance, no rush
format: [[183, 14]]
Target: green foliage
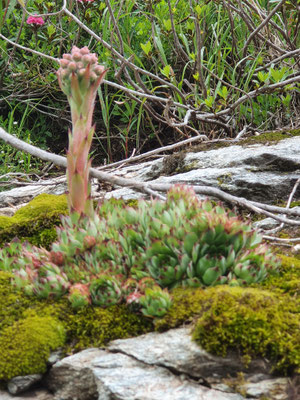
[[25, 346], [161, 38], [254, 322], [187, 303], [179, 242], [105, 291], [13, 160]]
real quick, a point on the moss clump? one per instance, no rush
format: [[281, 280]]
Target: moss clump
[[25, 346], [253, 322], [288, 280], [13, 303], [5, 222], [88, 327], [32, 230], [272, 137], [95, 327], [41, 205], [36, 221], [187, 303]]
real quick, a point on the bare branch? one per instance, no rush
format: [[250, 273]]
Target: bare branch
[[286, 55], [156, 151], [264, 23], [140, 186]]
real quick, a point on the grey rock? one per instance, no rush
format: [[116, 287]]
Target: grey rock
[[120, 377], [174, 349], [257, 172], [266, 223], [124, 378], [270, 223], [20, 384], [275, 389], [157, 366], [72, 378], [39, 394], [55, 356]]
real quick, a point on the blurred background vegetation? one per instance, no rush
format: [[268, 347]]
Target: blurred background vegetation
[[193, 54]]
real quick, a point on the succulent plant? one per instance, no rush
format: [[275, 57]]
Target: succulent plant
[[105, 291], [9, 255], [155, 302], [79, 295], [79, 77], [129, 253], [48, 281]]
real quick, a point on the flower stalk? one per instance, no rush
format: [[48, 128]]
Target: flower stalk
[[79, 77]]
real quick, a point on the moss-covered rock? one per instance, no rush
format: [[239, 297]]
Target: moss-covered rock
[[95, 326], [187, 303], [89, 327], [13, 303], [25, 346], [36, 221], [41, 205], [259, 321], [288, 280], [5, 222], [272, 136], [253, 322]]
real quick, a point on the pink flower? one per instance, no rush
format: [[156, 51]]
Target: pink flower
[[32, 20]]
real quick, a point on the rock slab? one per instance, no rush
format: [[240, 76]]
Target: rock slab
[[120, 377], [156, 366], [258, 172]]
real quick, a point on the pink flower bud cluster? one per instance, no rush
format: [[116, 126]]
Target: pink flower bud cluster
[[78, 61], [32, 20]]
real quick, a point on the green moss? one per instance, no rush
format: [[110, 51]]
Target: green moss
[[95, 326], [272, 137], [288, 279], [5, 222], [12, 302], [43, 238], [253, 322], [43, 204], [187, 303], [36, 221], [295, 204], [26, 345], [32, 230], [89, 327]]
